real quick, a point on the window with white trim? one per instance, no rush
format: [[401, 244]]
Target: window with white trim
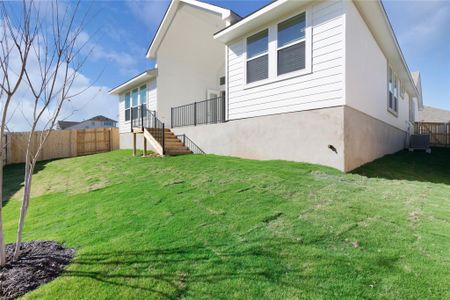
[[258, 56], [134, 103], [127, 107], [287, 55], [291, 44], [143, 99], [392, 91]]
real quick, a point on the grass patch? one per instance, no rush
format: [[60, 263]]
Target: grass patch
[[218, 227]]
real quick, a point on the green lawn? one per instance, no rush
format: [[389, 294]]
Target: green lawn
[[217, 227]]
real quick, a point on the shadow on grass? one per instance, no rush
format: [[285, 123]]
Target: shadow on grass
[[413, 166], [13, 178], [168, 272]]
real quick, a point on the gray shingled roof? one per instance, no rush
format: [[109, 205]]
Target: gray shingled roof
[[66, 124], [433, 114], [101, 119]]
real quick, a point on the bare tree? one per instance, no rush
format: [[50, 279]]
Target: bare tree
[[14, 40], [59, 59]]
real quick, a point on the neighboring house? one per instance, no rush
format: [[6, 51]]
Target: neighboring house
[[95, 122], [434, 115], [321, 82]]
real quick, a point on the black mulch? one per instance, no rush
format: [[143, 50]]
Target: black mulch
[[39, 263]]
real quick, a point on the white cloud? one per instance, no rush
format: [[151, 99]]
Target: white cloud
[[149, 12], [124, 61], [428, 23]]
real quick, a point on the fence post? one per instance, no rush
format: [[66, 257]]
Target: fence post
[[171, 117], [184, 139]]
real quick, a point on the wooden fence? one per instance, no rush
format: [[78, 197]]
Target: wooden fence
[[439, 132], [62, 143]]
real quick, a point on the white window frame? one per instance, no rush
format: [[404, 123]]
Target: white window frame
[[273, 51], [129, 92], [257, 56], [289, 45], [125, 107], [395, 91]]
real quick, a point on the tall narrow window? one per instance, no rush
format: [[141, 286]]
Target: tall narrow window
[[393, 91], [134, 103], [291, 45], [143, 99], [258, 56], [127, 107]]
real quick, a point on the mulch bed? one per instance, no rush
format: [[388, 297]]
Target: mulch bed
[[39, 263]]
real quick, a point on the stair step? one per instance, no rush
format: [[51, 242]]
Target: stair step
[[178, 152]]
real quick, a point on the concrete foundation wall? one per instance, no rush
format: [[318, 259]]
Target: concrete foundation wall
[[300, 136], [367, 138], [126, 141]]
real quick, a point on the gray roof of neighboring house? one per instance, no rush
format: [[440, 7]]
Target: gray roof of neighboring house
[[66, 124], [433, 114], [101, 119]]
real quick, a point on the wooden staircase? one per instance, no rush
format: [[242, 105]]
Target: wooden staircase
[[162, 139], [172, 145]]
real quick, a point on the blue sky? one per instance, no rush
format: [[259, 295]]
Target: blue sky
[[120, 32]]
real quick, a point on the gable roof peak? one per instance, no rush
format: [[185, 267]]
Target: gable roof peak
[[226, 14]]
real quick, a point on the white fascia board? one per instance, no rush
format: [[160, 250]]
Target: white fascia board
[[259, 18], [135, 81]]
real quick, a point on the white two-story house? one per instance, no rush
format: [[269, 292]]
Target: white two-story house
[[313, 81]]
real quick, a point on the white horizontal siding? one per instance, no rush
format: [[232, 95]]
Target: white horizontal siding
[[151, 105], [324, 87], [123, 126], [151, 102]]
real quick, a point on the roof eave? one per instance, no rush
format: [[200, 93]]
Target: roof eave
[[139, 79]]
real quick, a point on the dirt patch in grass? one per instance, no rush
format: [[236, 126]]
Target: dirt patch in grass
[[39, 263]]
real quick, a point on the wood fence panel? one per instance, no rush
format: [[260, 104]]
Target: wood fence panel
[[439, 132], [63, 143]]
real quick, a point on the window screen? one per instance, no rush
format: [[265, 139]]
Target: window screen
[[291, 58], [257, 69]]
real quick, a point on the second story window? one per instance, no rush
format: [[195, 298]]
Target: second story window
[[258, 56], [291, 45]]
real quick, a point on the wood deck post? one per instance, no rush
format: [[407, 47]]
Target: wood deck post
[[145, 147], [134, 144]]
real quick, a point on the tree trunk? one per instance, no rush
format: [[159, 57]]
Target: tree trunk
[[2, 240], [24, 208]]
